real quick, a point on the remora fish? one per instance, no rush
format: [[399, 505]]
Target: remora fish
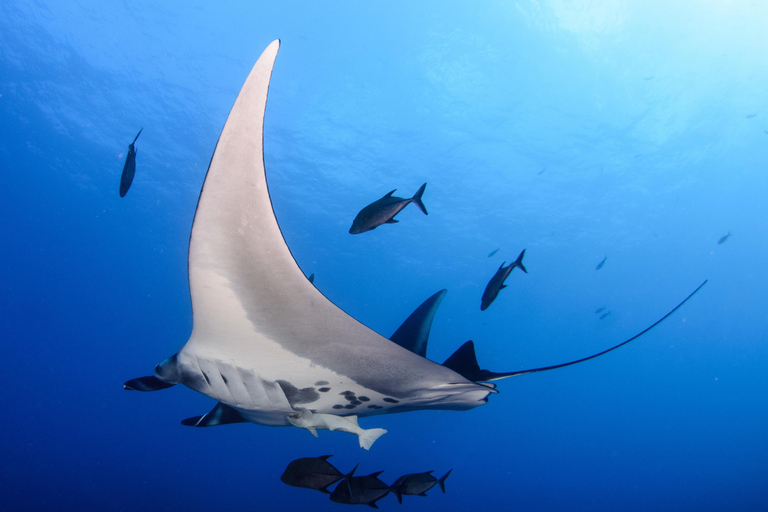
[[417, 484], [314, 421], [129, 168], [312, 473], [724, 238], [600, 265], [265, 343], [361, 490], [384, 210], [496, 284]]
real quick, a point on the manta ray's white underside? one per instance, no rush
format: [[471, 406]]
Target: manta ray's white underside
[[265, 341]]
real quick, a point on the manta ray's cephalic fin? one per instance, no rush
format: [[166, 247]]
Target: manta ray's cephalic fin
[[150, 383], [221, 414]]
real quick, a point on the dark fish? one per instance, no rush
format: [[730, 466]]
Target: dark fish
[[600, 265], [724, 238], [384, 210], [604, 315], [600, 310], [129, 169], [361, 490], [413, 334], [496, 284], [417, 484], [312, 473], [541, 171], [490, 254], [312, 278]]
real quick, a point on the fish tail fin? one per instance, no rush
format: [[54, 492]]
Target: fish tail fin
[[351, 473], [441, 482], [398, 494], [368, 437], [349, 476], [519, 262], [417, 199]]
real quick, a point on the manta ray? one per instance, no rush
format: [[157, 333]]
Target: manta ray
[[266, 344]]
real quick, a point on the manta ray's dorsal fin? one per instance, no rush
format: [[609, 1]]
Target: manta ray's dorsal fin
[[252, 303]]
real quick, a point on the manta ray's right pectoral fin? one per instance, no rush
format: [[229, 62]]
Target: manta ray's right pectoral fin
[[150, 383], [222, 414]]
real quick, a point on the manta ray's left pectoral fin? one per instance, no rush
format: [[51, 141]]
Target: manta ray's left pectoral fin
[[222, 414], [150, 383]]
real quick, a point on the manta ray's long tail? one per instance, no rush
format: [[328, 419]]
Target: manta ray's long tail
[[464, 362]]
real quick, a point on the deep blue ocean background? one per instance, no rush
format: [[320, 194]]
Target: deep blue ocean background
[[629, 129]]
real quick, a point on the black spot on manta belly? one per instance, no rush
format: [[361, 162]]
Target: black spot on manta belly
[[391, 400], [355, 402], [374, 406], [338, 406], [350, 397], [296, 395], [346, 393], [364, 398], [321, 383], [349, 406], [324, 390]]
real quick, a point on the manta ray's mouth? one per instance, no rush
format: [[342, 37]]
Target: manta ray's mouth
[[452, 397]]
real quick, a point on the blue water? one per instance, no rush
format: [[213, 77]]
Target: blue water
[[650, 123]]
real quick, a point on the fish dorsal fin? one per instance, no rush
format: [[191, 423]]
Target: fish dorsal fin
[[251, 302], [376, 474], [389, 194]]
